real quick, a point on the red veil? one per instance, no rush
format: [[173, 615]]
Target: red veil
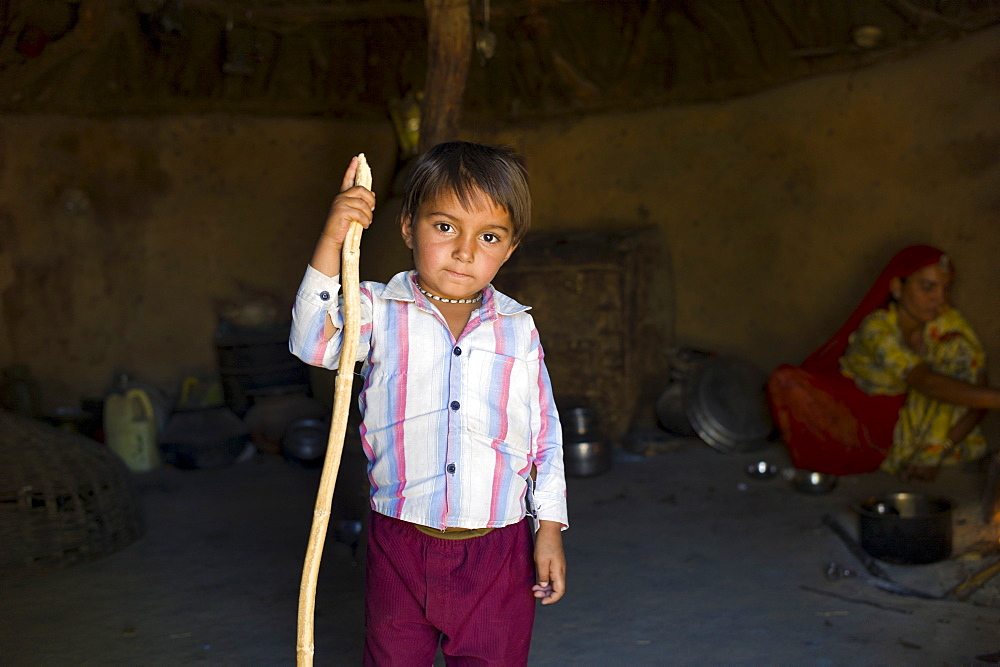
[[827, 423]]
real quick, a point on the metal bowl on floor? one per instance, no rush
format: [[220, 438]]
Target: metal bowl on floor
[[808, 481], [304, 442], [762, 470]]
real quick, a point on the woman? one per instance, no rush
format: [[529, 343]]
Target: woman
[[901, 386]]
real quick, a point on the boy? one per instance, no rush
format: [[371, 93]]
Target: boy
[[459, 426]]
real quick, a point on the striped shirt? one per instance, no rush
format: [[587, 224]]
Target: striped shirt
[[451, 428]]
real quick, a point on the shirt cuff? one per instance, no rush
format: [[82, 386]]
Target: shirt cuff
[[322, 291], [550, 507]]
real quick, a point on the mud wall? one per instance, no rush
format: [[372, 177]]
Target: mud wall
[[118, 237], [780, 209], [120, 240]]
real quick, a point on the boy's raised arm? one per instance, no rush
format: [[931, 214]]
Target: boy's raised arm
[[354, 204]]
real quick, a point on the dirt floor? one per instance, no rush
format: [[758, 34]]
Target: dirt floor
[[678, 557]]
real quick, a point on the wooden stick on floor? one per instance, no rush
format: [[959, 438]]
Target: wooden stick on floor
[[338, 428], [964, 590]]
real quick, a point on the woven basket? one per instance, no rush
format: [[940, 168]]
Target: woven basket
[[64, 498]]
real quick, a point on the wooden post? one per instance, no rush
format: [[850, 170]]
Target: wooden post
[[449, 52]]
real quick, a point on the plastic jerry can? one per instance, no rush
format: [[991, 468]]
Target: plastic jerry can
[[130, 429]]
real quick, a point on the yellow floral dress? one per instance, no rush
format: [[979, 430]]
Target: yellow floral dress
[[877, 360]]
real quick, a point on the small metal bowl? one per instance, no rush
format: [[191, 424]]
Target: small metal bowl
[[304, 442], [807, 481], [762, 470]]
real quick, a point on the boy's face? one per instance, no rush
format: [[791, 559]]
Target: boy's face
[[457, 252]]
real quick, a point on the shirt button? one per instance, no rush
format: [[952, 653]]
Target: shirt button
[[455, 405], [324, 295], [451, 468], [457, 351]]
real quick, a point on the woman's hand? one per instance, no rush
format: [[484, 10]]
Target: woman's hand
[[914, 472]]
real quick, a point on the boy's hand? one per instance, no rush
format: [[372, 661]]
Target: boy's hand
[[550, 563], [353, 204]]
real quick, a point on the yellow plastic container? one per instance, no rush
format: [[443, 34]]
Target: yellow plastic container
[[130, 429]]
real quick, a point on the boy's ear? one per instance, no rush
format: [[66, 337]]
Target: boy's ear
[[510, 252], [406, 229]]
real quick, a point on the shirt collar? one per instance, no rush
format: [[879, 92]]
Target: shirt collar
[[402, 288]]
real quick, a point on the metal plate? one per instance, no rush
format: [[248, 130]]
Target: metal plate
[[726, 403]]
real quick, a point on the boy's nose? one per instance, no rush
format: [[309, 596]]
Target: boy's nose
[[463, 250]]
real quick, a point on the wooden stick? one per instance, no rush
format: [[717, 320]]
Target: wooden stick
[[338, 428], [964, 590]]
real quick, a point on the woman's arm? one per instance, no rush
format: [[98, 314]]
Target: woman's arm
[[970, 419], [956, 434], [951, 390]]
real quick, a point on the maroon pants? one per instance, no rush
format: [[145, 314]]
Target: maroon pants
[[473, 596]]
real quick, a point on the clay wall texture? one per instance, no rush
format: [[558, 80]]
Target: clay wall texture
[[120, 236]]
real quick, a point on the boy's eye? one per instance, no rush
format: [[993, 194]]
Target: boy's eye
[[443, 226], [490, 238]]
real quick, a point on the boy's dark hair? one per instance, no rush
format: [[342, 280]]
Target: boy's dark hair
[[461, 167]]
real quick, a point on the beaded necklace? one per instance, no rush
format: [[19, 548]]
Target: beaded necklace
[[475, 299]]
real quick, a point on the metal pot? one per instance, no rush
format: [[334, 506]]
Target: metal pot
[[905, 528], [585, 452], [304, 442], [586, 459]]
